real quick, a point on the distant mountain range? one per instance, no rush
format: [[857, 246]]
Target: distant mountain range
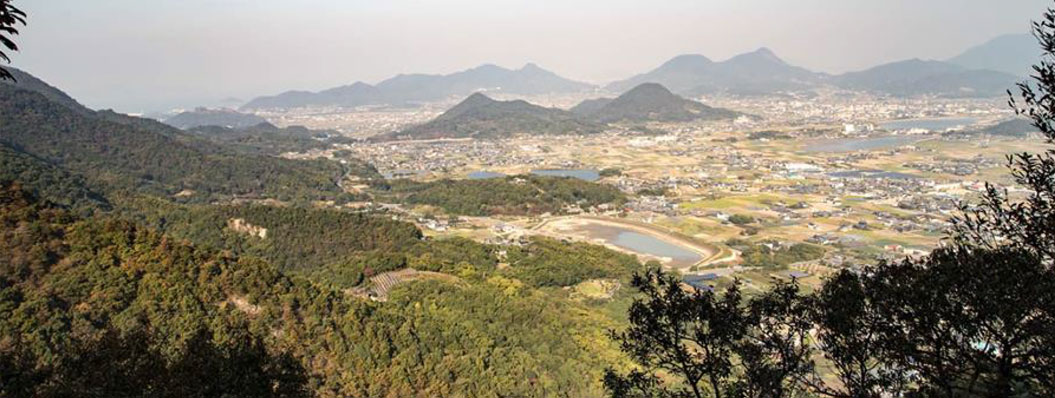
[[1014, 54], [918, 77], [649, 102], [416, 88], [480, 116], [758, 72], [981, 71], [762, 72], [214, 117]]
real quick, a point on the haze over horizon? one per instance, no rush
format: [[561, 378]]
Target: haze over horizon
[[171, 53]]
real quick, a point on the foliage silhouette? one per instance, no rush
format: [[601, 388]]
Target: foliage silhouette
[[10, 18]]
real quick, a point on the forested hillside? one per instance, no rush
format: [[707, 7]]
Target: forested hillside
[[68, 282], [52, 182], [116, 152], [265, 138], [129, 266], [289, 237], [479, 116], [514, 195]]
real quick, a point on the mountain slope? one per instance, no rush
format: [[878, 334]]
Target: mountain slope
[[266, 139], [114, 151], [413, 88], [29, 82], [1014, 127], [918, 77], [758, 72], [356, 94], [48, 181], [479, 116], [590, 106], [68, 281], [1014, 54], [651, 102]]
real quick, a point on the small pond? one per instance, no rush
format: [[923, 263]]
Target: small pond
[[582, 174]]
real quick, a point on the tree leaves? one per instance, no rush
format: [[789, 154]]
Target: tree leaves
[[10, 18]]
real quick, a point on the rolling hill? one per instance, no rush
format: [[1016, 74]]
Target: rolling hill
[[917, 77], [267, 139], [114, 152], [650, 102], [758, 72], [1014, 54], [417, 88], [479, 116], [29, 82], [1013, 127]]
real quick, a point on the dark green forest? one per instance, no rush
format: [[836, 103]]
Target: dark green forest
[[123, 153], [513, 195], [71, 285]]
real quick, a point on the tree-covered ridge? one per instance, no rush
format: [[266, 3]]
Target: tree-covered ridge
[[343, 249], [514, 195], [32, 83], [266, 139], [48, 181], [125, 153], [69, 286], [650, 102], [289, 237], [81, 297], [479, 116], [545, 262], [200, 117]]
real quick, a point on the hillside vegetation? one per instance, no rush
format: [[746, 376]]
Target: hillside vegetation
[[114, 152], [513, 195], [67, 282], [479, 116]]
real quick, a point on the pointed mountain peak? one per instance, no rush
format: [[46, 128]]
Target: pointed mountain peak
[[765, 51], [763, 54], [265, 125], [687, 61], [469, 104], [476, 99], [488, 68], [531, 66], [648, 89]]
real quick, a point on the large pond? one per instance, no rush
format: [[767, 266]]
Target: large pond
[[932, 124], [582, 174], [861, 144], [644, 244]]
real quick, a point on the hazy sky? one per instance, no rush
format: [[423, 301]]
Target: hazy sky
[[141, 55]]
